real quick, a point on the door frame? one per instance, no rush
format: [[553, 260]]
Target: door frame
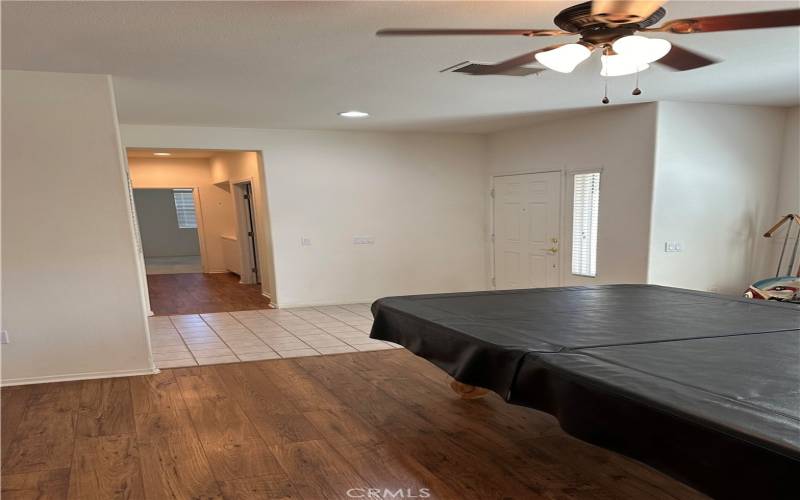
[[198, 208], [561, 195], [248, 255]]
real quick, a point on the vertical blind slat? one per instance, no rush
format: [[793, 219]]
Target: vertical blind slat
[[586, 207], [184, 208]]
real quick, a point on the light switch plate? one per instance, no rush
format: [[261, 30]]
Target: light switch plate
[[305, 242], [4, 337], [673, 246], [363, 240]]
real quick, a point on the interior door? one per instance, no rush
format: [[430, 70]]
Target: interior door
[[526, 230], [251, 230]]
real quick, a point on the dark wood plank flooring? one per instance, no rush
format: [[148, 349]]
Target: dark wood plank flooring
[[197, 293], [309, 428]]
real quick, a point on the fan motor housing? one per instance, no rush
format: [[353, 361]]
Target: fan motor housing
[[580, 19]]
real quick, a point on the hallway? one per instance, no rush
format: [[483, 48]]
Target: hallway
[[198, 293]]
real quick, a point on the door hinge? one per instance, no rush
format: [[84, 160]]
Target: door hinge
[[492, 236], [246, 197], [249, 233], [491, 193], [494, 281], [253, 269]]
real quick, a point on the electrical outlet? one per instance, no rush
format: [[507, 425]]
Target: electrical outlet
[[363, 240], [4, 337], [305, 242]]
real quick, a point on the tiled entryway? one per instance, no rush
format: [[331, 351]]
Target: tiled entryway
[[204, 339]]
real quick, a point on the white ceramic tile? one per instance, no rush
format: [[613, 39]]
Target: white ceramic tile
[[373, 347], [258, 356], [207, 347], [296, 353], [240, 344], [217, 360], [335, 349], [285, 346], [169, 348], [209, 353], [326, 343], [251, 350], [338, 329], [204, 341], [170, 356], [176, 363], [362, 341]]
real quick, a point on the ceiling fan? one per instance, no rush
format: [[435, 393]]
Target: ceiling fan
[[610, 26]]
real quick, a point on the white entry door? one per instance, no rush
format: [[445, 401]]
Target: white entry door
[[526, 230]]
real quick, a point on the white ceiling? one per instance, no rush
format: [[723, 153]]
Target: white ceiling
[[295, 64]]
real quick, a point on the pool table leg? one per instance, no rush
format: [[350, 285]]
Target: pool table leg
[[466, 391]]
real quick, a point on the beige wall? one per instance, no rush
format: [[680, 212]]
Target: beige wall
[[422, 196], [73, 299], [236, 166], [717, 174], [216, 207], [621, 142]]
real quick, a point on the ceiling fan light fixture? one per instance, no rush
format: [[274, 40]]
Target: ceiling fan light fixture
[[619, 65], [641, 49], [564, 59]]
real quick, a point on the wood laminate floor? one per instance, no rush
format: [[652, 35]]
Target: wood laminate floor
[[309, 428], [202, 293]]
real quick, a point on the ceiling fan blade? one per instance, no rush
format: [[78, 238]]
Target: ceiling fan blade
[[449, 32], [748, 21], [681, 59], [504, 66]]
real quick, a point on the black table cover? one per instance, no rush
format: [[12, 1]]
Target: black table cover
[[701, 386]]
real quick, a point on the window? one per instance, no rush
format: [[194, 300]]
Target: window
[[184, 207], [586, 205]]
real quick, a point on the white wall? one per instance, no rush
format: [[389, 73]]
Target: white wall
[[789, 181], [621, 141], [72, 294], [158, 225], [422, 196], [717, 171], [215, 209]]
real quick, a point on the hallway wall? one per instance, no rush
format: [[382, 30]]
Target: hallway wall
[[158, 225], [216, 207]]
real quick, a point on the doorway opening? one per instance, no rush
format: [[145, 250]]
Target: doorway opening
[[169, 229], [203, 229]]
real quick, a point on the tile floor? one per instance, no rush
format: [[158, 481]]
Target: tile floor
[[205, 339]]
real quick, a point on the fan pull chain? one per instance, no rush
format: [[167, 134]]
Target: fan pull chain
[[637, 90], [605, 91]]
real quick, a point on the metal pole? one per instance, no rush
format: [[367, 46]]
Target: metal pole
[[783, 250], [794, 252]]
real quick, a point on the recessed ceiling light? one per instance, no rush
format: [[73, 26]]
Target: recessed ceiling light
[[162, 154], [353, 114]]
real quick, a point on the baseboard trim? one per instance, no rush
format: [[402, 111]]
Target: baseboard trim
[[77, 376], [324, 303]]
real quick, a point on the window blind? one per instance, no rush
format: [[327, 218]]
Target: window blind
[[586, 206], [184, 207]]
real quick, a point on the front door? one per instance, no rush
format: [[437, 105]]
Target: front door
[[526, 230]]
